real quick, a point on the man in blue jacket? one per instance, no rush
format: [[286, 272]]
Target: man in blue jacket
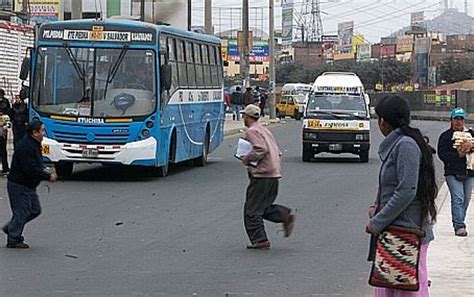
[[458, 177], [26, 173]]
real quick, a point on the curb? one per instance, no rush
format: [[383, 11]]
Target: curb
[[233, 131]]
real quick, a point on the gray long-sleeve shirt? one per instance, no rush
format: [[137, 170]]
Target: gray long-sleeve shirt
[[398, 183]]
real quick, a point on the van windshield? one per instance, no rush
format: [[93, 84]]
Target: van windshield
[[346, 104]]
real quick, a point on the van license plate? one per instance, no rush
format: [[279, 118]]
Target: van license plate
[[335, 147], [90, 153]]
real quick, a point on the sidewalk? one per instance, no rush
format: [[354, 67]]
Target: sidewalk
[[451, 258], [233, 127]]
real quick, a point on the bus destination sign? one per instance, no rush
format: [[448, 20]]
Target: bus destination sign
[[97, 34]]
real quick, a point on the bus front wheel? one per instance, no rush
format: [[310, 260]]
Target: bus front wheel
[[64, 169]]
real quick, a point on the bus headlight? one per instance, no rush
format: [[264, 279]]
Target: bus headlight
[[149, 124], [145, 133]]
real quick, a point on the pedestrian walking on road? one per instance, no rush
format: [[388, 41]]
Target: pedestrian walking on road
[[26, 173], [248, 96], [236, 102], [407, 187], [458, 177], [262, 190], [5, 109], [19, 118]]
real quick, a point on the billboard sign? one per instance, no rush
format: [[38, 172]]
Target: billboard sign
[[404, 44], [330, 39], [364, 52], [344, 32], [417, 18], [287, 22], [41, 11], [259, 53]]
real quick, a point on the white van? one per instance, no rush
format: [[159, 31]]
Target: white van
[[337, 117]]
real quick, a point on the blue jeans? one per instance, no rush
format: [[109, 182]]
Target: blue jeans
[[236, 112], [25, 207], [460, 197]]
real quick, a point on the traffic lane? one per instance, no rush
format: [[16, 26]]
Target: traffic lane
[[177, 237]]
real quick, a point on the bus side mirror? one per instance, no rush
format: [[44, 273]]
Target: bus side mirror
[[166, 76], [25, 68], [24, 92]]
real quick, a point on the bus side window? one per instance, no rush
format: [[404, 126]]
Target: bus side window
[[198, 61], [182, 71], [206, 67], [212, 61], [190, 64], [173, 63]]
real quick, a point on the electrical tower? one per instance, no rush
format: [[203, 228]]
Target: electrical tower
[[313, 25]]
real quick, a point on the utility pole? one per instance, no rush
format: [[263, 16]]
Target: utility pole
[[208, 17], [142, 10], [24, 9], [189, 14], [465, 6], [76, 10], [244, 55], [271, 69]]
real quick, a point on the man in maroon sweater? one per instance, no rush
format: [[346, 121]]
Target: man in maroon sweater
[[263, 188]]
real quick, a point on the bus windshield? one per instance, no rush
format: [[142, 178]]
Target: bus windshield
[[95, 82], [346, 104]]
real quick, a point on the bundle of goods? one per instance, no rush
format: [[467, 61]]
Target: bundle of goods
[[459, 138]]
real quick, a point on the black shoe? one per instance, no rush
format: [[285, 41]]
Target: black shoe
[[17, 245], [5, 229]]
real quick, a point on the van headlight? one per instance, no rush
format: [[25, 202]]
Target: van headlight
[[362, 137], [311, 136]]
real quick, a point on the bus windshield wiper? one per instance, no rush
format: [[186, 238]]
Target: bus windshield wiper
[[79, 70], [113, 70]]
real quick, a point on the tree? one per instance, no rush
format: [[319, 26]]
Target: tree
[[369, 72], [453, 70]]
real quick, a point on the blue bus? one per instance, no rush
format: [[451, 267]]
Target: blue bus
[[125, 92]]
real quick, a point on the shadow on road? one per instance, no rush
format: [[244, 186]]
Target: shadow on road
[[107, 173], [340, 159]]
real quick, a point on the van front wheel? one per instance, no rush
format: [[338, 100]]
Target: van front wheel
[[364, 156]]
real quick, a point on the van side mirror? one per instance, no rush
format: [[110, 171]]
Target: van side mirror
[[165, 77], [25, 68]]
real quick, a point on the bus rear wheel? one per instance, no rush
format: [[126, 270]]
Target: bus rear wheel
[[202, 160], [64, 169]]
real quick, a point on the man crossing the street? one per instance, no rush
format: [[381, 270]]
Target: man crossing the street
[[25, 175], [263, 187]]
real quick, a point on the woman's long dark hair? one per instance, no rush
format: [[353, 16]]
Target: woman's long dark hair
[[395, 111]]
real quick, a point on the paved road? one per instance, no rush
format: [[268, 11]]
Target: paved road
[[116, 232]]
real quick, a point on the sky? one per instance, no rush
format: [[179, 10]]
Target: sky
[[373, 19]]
